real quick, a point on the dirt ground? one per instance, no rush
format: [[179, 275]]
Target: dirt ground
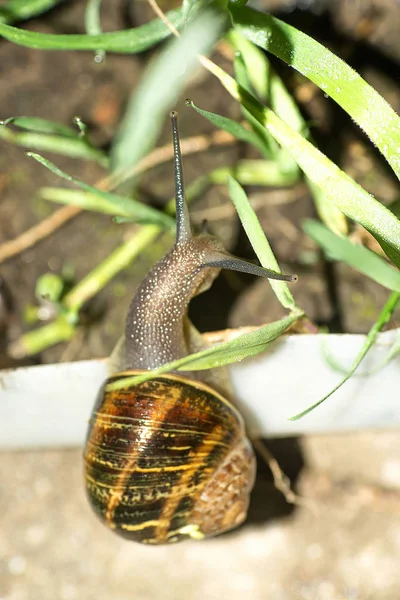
[[343, 541]]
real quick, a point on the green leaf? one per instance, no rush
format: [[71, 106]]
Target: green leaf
[[100, 201], [128, 41], [92, 17], [360, 258], [340, 189], [160, 87], [327, 211], [235, 350], [233, 127], [384, 317], [93, 24], [19, 10], [44, 135], [41, 126], [272, 91], [372, 113], [267, 83], [260, 244]]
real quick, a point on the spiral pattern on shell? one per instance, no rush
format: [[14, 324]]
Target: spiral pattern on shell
[[166, 460]]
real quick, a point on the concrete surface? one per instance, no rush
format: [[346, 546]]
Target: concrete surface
[[344, 544]]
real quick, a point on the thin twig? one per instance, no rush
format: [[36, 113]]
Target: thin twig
[[163, 17], [38, 232], [61, 216], [281, 481]]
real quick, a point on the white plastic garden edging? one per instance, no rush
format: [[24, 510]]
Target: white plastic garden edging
[[49, 406]]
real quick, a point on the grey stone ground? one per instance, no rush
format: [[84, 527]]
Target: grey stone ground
[[344, 544]]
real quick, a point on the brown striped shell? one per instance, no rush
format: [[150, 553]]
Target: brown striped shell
[[166, 460]]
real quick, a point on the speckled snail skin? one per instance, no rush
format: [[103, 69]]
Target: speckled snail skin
[[168, 459]]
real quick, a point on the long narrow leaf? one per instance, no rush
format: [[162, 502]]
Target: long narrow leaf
[[355, 255], [235, 350], [122, 206], [233, 127], [128, 41], [260, 244], [93, 24], [19, 10], [372, 113], [39, 125], [60, 144], [384, 317], [272, 91]]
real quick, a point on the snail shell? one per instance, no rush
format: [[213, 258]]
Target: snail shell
[[168, 459]]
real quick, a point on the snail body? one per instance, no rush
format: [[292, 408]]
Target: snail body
[[168, 459]]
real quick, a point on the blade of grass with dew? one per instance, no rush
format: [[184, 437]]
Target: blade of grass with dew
[[384, 317], [127, 209], [359, 257], [20, 10], [233, 127], [266, 82], [349, 197], [245, 345], [59, 144], [128, 41], [159, 89], [368, 109], [123, 206], [272, 91], [260, 244], [93, 23]]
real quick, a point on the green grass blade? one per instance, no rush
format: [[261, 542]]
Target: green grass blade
[[372, 113], [92, 17], [384, 317], [359, 257], [128, 41], [39, 125], [340, 189], [334, 362], [93, 23], [235, 350], [260, 244], [107, 203], [267, 84], [68, 146], [159, 89], [233, 127], [19, 10], [270, 88]]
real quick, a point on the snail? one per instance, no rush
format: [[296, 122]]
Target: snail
[[168, 459]]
